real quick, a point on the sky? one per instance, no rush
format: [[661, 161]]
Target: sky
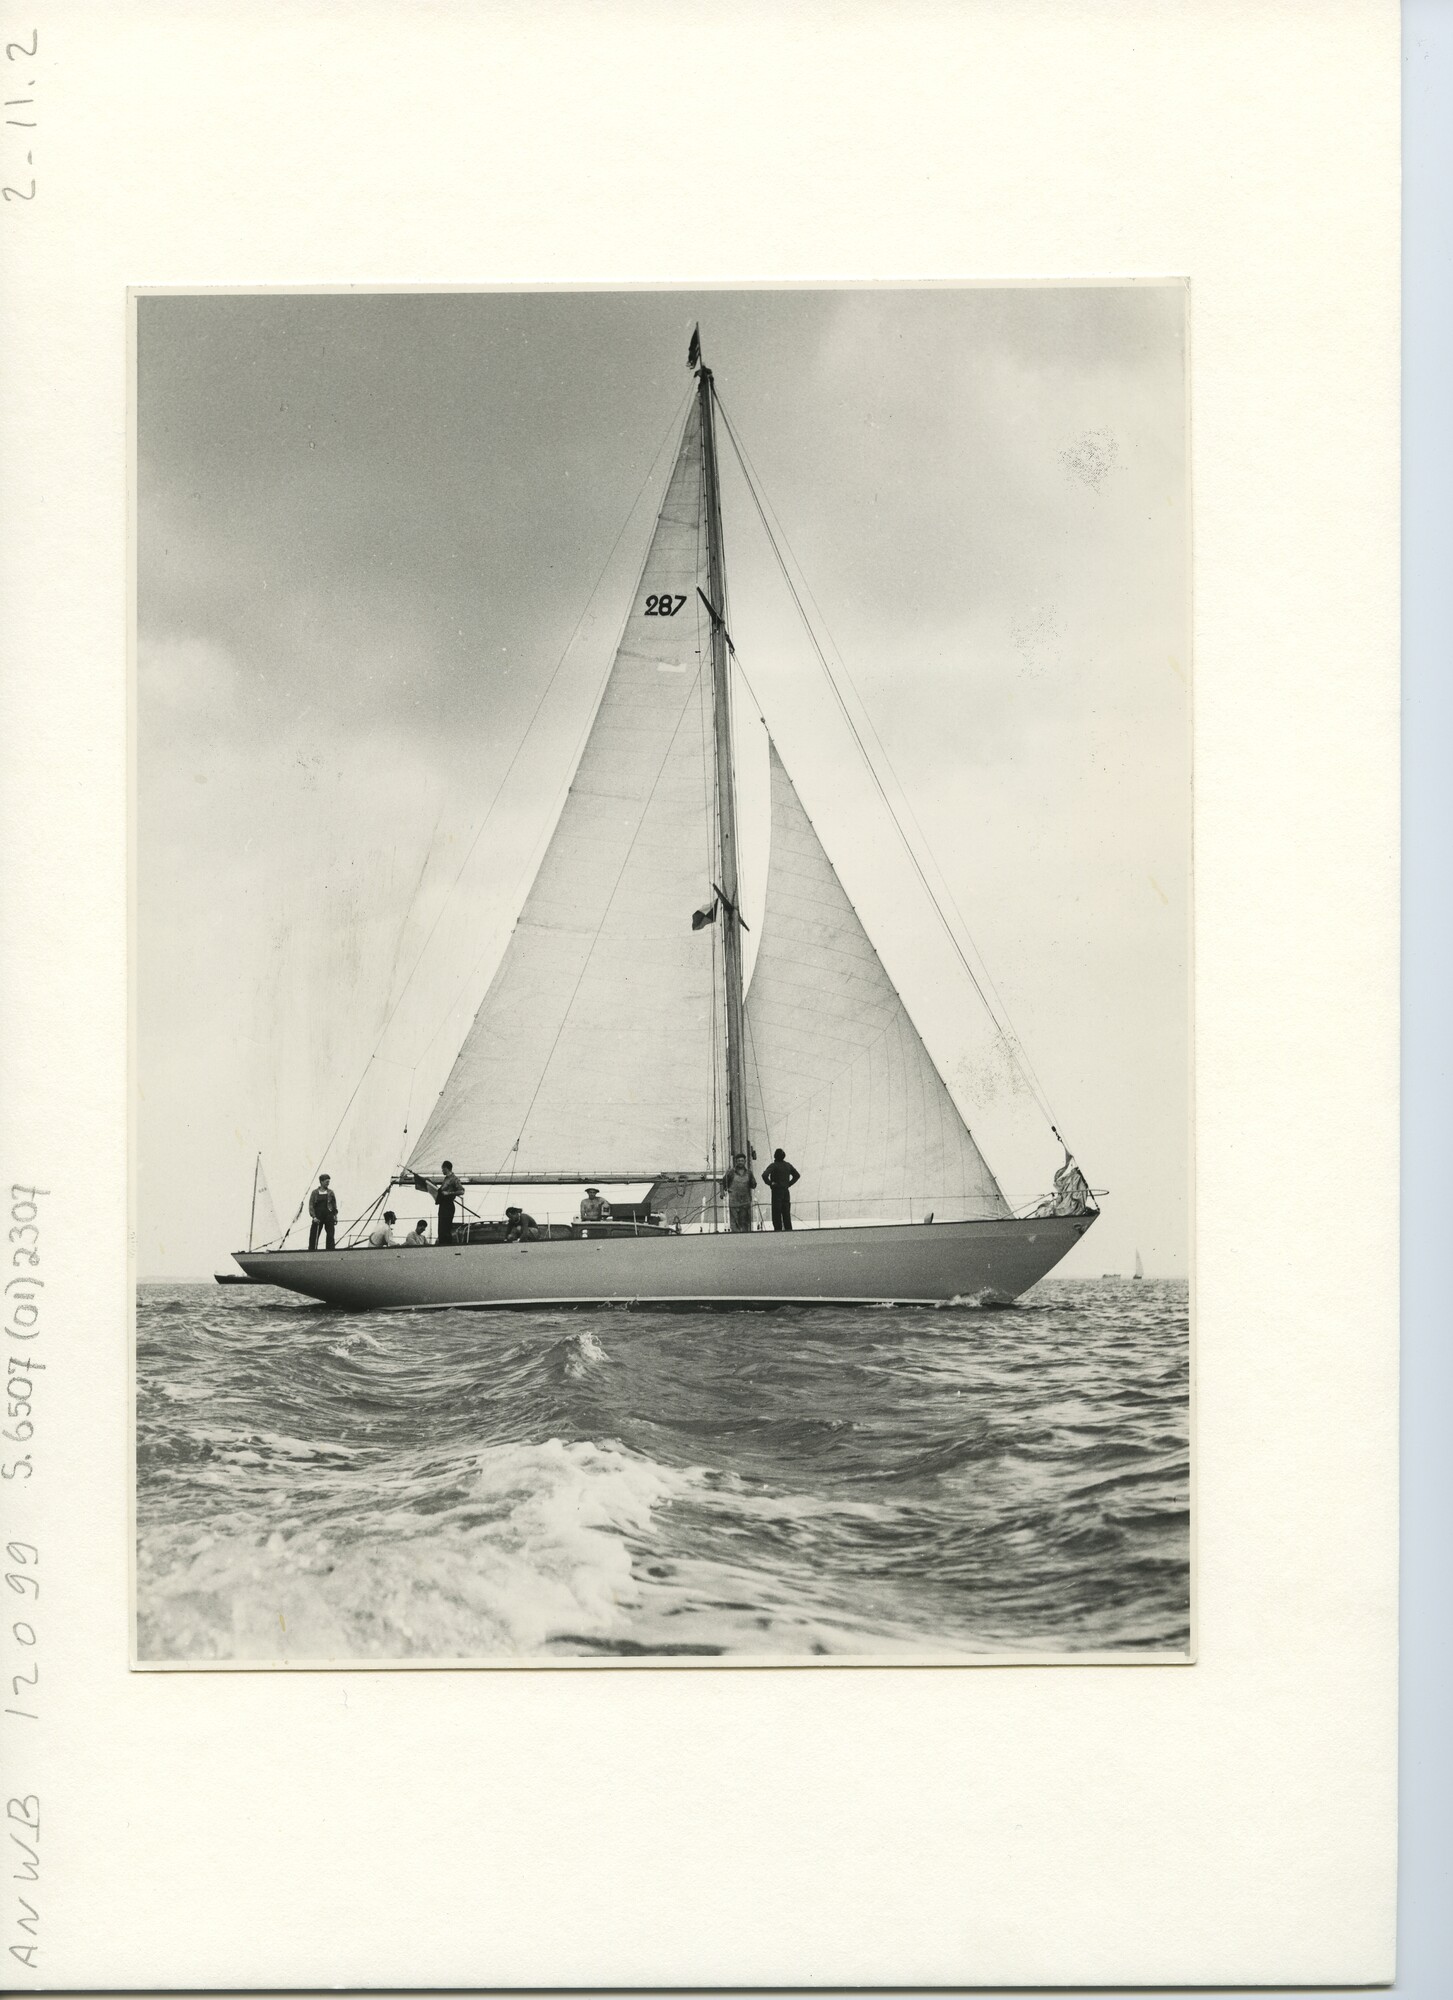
[[384, 544]]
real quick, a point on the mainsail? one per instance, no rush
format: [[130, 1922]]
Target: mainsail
[[837, 1074], [593, 1047]]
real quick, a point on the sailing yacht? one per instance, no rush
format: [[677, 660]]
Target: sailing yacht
[[618, 1044]]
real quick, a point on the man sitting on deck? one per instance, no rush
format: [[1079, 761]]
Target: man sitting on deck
[[594, 1208], [381, 1236], [737, 1187], [418, 1236], [520, 1228]]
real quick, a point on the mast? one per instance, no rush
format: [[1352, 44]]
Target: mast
[[725, 779], [252, 1215]]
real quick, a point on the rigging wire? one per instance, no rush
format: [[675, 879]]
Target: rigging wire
[[998, 1013], [408, 914], [756, 1068], [670, 433], [708, 792], [374, 1056], [350, 1229], [994, 1002], [408, 1107]]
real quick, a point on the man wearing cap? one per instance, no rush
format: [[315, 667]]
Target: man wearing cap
[[780, 1177], [737, 1187], [323, 1208], [594, 1208], [446, 1192]]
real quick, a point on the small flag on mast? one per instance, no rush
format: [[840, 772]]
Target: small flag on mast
[[693, 353], [707, 913]]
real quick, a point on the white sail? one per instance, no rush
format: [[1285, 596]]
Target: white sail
[[266, 1229], [837, 1074], [592, 1048]]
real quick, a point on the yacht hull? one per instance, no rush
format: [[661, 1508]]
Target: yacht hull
[[980, 1263]]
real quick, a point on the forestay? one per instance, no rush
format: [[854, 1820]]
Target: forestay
[[837, 1074], [593, 1044]]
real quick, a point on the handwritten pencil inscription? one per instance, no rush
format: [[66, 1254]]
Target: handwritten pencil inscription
[[23, 1297], [23, 1826], [20, 112]]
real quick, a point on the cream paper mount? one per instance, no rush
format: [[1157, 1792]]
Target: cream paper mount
[[1228, 1822]]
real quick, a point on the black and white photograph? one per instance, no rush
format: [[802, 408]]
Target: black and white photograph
[[662, 986]]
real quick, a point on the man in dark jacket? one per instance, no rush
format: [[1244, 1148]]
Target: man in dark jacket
[[446, 1192], [780, 1177], [323, 1208]]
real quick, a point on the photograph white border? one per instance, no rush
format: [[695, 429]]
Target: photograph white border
[[1067, 1656]]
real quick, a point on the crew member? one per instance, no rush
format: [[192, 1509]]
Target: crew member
[[594, 1208], [381, 1236], [418, 1236], [323, 1208], [781, 1176], [737, 1187], [520, 1228], [446, 1192]]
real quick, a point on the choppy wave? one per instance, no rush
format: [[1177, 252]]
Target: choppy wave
[[467, 1485]]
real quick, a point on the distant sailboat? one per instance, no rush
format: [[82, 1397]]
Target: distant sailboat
[[1139, 1267], [263, 1227], [616, 1044]]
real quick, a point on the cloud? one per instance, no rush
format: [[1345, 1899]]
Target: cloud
[[185, 678]]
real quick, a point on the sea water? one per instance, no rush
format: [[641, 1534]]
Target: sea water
[[316, 1485]]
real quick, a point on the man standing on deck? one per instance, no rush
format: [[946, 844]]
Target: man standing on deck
[[594, 1208], [447, 1193], [737, 1187], [323, 1208], [780, 1177]]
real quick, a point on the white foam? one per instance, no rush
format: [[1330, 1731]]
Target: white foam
[[582, 1352], [541, 1552]]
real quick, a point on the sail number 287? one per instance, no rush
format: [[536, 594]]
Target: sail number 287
[[665, 606]]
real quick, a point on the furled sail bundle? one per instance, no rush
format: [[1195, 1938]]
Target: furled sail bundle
[[837, 1074], [593, 1046]]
